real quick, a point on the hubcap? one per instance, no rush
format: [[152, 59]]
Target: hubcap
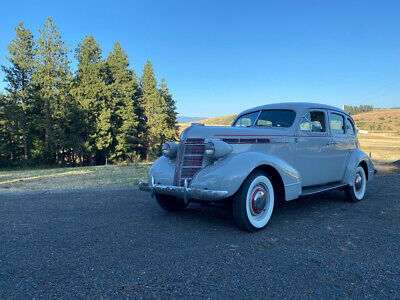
[[358, 182], [258, 201]]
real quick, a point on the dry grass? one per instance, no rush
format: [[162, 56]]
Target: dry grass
[[73, 178], [384, 148], [379, 120]]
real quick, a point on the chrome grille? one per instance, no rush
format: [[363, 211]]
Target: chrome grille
[[189, 161]]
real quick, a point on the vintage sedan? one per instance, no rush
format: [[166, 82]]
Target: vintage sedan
[[276, 151]]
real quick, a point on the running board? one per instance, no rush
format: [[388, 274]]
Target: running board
[[322, 188]]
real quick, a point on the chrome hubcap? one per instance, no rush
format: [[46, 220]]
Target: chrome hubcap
[[258, 201], [358, 182]]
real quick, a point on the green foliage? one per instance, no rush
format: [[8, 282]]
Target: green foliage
[[49, 116], [52, 77], [159, 113], [19, 103], [89, 92], [353, 110], [122, 93], [171, 132]]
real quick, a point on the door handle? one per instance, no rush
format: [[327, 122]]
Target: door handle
[[330, 143]]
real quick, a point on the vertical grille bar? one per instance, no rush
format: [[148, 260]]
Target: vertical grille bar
[[189, 160]]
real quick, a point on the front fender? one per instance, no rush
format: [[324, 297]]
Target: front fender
[[163, 171], [356, 156], [228, 174]]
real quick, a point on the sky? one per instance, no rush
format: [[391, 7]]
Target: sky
[[222, 57]]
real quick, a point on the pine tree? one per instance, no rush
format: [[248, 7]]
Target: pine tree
[[89, 92], [122, 93], [52, 76], [155, 113], [9, 134], [20, 89], [171, 132]]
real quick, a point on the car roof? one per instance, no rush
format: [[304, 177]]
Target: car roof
[[296, 106]]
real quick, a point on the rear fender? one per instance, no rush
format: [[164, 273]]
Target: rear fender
[[357, 156]]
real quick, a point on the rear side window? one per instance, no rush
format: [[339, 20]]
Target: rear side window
[[350, 127], [337, 123]]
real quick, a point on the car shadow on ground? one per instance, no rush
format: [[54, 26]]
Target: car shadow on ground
[[328, 203], [198, 215]]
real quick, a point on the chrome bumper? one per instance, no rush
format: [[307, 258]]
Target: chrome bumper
[[185, 192]]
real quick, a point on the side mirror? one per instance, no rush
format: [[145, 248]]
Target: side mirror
[[316, 127]]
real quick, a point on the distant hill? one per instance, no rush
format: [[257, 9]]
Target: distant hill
[[221, 121], [379, 119], [217, 121], [184, 119]]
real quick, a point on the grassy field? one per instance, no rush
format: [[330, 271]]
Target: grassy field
[[72, 178], [383, 146]]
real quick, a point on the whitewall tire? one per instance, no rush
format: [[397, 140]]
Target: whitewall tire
[[254, 202], [356, 191]]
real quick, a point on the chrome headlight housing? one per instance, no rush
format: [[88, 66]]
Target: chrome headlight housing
[[209, 149], [217, 149], [170, 149]]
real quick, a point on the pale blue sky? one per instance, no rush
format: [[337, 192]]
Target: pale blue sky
[[220, 57]]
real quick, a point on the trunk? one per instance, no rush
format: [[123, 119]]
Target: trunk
[[25, 146], [147, 153], [46, 138]]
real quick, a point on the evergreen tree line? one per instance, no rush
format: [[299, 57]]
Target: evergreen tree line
[[51, 116], [353, 110]]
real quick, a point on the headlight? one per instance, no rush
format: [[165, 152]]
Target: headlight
[[166, 150], [217, 149], [209, 149], [170, 149]]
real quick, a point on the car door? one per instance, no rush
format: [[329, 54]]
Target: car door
[[313, 148], [340, 144]]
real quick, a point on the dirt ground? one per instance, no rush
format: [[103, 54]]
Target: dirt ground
[[120, 243]]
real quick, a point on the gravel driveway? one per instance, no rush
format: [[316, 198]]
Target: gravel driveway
[[120, 243]]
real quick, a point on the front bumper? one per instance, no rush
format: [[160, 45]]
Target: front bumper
[[185, 192]]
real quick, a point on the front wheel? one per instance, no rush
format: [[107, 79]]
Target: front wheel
[[254, 202], [356, 192], [170, 203]]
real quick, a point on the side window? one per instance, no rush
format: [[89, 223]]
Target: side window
[[305, 124], [313, 118], [246, 120], [350, 127], [337, 123]]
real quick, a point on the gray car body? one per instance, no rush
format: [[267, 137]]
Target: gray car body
[[302, 159]]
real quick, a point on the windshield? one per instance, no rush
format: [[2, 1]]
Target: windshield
[[268, 118], [246, 120]]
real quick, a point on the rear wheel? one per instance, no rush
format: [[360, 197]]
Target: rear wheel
[[356, 192], [170, 203], [254, 202]]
